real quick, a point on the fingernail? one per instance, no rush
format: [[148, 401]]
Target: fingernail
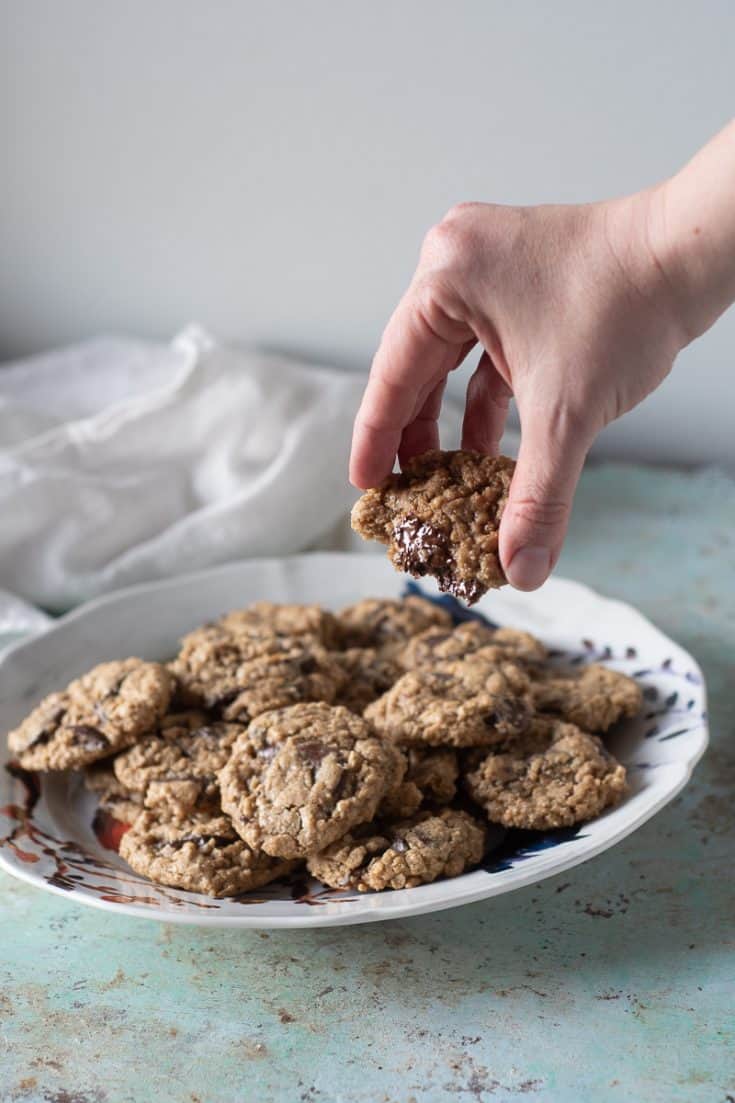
[[528, 568]]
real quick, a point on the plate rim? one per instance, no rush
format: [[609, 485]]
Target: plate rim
[[312, 918]]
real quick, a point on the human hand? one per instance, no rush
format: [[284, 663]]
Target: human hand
[[578, 321]]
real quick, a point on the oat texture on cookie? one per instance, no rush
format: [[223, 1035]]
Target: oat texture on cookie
[[96, 715], [301, 777], [441, 516]]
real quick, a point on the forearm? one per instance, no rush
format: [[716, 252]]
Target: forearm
[[693, 228]]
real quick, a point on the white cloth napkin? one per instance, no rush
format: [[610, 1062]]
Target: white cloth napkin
[[124, 461]]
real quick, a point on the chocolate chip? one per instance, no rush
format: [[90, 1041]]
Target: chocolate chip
[[91, 739], [509, 713], [45, 733], [308, 666], [400, 845], [420, 547], [468, 590], [314, 752], [200, 841]]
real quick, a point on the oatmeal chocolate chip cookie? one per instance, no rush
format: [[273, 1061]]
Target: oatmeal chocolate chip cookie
[[267, 618], [96, 715], [386, 625], [572, 780], [201, 854], [402, 854], [112, 796], [594, 699], [368, 675], [301, 777], [431, 778], [241, 676], [177, 765], [468, 703], [440, 517], [471, 638]]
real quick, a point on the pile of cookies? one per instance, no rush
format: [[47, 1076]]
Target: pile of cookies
[[372, 746]]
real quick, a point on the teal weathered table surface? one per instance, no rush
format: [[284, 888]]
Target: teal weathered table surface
[[615, 981]]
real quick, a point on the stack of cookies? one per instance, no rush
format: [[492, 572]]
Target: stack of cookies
[[371, 747]]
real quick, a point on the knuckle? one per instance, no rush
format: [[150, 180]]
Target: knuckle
[[447, 243], [542, 512]]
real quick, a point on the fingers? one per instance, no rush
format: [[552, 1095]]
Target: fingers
[[422, 433], [534, 523], [486, 408], [412, 361]]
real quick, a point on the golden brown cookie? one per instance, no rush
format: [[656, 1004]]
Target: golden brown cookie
[[594, 698], [403, 854], [386, 624], [460, 704], [96, 715], [301, 777], [570, 780], [441, 517], [240, 676], [268, 618], [177, 764], [202, 854], [493, 645]]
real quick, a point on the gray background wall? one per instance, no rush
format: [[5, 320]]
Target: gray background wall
[[270, 169]]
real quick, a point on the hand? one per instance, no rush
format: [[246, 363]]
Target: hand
[[578, 322]]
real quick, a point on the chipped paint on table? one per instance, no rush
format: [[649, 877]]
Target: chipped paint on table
[[613, 982]]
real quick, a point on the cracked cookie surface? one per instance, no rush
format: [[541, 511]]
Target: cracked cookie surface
[[239, 676], [97, 714], [268, 618], [594, 699], [402, 854], [570, 780], [430, 778], [177, 765], [386, 624], [468, 703], [493, 645], [301, 777], [201, 854], [440, 516]]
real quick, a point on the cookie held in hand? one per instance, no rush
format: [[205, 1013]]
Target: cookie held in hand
[[440, 516]]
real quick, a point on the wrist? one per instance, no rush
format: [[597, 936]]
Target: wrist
[[692, 229], [636, 233]]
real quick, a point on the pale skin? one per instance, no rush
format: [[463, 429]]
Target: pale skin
[[580, 312]]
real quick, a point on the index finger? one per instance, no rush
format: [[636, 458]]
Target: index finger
[[411, 360]]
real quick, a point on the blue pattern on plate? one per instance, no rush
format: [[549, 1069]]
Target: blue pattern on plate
[[517, 845]]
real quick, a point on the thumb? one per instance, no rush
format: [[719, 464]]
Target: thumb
[[534, 523]]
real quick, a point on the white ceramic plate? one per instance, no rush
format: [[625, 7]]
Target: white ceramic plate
[[46, 834]]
